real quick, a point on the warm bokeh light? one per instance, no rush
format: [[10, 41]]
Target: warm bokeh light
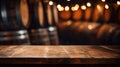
[[118, 2], [67, 8], [58, 6], [75, 8], [103, 0], [99, 8], [77, 5], [83, 7], [106, 6], [69, 22], [61, 8], [90, 27], [72, 8], [88, 4], [68, 0], [50, 2]]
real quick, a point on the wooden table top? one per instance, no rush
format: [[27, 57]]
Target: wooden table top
[[58, 52], [64, 52]]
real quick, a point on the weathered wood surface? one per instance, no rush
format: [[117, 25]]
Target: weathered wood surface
[[73, 54]]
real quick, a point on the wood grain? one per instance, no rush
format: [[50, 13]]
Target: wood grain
[[58, 54]]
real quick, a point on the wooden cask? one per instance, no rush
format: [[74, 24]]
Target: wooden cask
[[109, 13], [65, 15], [14, 38], [2, 26], [38, 31], [15, 14], [108, 33], [52, 13], [88, 14], [97, 13], [77, 15]]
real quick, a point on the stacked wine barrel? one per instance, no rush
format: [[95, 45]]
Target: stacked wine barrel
[[65, 15], [14, 20], [38, 32], [98, 24], [43, 30], [94, 25], [53, 28], [77, 15], [88, 14], [109, 34]]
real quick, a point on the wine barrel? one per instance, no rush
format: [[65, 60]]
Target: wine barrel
[[1, 23], [53, 22], [64, 32], [15, 14], [88, 14], [72, 33], [38, 32], [97, 13], [116, 37], [14, 38], [107, 33], [108, 13], [39, 37], [77, 15], [65, 15], [87, 32]]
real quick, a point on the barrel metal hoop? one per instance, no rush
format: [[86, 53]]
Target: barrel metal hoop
[[13, 32], [21, 37]]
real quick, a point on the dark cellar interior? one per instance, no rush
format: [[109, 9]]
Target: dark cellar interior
[[60, 31]]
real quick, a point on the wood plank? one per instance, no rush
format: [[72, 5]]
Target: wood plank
[[58, 54]]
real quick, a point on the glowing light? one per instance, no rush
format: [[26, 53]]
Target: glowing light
[[61, 8], [106, 6], [72, 8], [50, 2], [22, 37], [118, 2], [99, 8], [83, 7], [69, 23], [75, 8], [88, 4], [51, 28], [21, 32], [58, 6], [103, 0], [67, 8], [68, 0], [90, 27]]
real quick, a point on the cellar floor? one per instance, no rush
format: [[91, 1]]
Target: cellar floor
[[82, 54]]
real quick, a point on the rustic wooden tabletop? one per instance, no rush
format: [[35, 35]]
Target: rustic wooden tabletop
[[74, 53]]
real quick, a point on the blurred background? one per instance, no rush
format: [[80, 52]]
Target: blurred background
[[60, 22]]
